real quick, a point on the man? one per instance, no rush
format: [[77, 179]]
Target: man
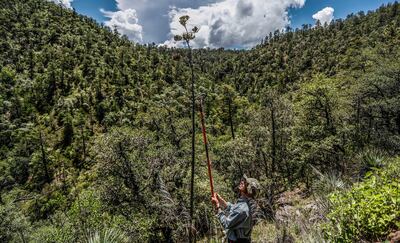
[[237, 218]]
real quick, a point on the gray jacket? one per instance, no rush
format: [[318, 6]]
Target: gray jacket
[[236, 220]]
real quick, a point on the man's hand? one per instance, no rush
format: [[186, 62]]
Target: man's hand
[[215, 201], [221, 201]]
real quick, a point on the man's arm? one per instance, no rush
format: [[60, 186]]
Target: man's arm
[[232, 219]]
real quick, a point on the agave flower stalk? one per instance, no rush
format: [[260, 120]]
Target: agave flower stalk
[[187, 36]]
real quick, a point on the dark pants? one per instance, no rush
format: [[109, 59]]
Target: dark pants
[[240, 241]]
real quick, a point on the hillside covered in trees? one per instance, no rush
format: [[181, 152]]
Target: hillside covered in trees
[[95, 131]]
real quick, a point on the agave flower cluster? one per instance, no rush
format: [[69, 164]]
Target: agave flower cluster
[[187, 35]]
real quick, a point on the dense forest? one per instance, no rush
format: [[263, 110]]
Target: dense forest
[[95, 131]]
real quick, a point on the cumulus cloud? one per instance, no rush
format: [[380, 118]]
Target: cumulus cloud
[[325, 15], [126, 22], [65, 3], [222, 23], [234, 23], [153, 15]]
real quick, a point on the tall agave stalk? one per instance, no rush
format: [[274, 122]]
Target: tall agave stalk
[[187, 36]]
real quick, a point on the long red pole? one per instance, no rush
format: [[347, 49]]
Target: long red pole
[[203, 129]]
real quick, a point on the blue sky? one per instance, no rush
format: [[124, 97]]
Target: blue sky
[[223, 23], [92, 8], [342, 9]]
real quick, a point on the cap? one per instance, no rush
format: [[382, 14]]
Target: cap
[[253, 186]]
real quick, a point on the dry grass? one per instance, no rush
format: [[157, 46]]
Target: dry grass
[[265, 232]]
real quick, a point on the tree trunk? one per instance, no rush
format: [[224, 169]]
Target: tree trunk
[[273, 147], [230, 117], [398, 123], [358, 122], [31, 64], [83, 143], [44, 160], [265, 162]]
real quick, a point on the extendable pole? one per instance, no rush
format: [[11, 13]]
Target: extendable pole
[[203, 129]]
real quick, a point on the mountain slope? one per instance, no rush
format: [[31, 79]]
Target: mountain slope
[[95, 130]]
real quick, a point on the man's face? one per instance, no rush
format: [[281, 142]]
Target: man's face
[[242, 186]]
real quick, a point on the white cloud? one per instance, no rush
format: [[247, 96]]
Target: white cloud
[[153, 15], [170, 43], [325, 15], [65, 3], [125, 4], [126, 22], [234, 23]]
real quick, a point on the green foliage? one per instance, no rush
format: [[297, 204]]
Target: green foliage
[[14, 226], [95, 130], [87, 219], [369, 210]]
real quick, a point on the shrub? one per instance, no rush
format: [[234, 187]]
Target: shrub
[[14, 226], [108, 236], [369, 210]]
